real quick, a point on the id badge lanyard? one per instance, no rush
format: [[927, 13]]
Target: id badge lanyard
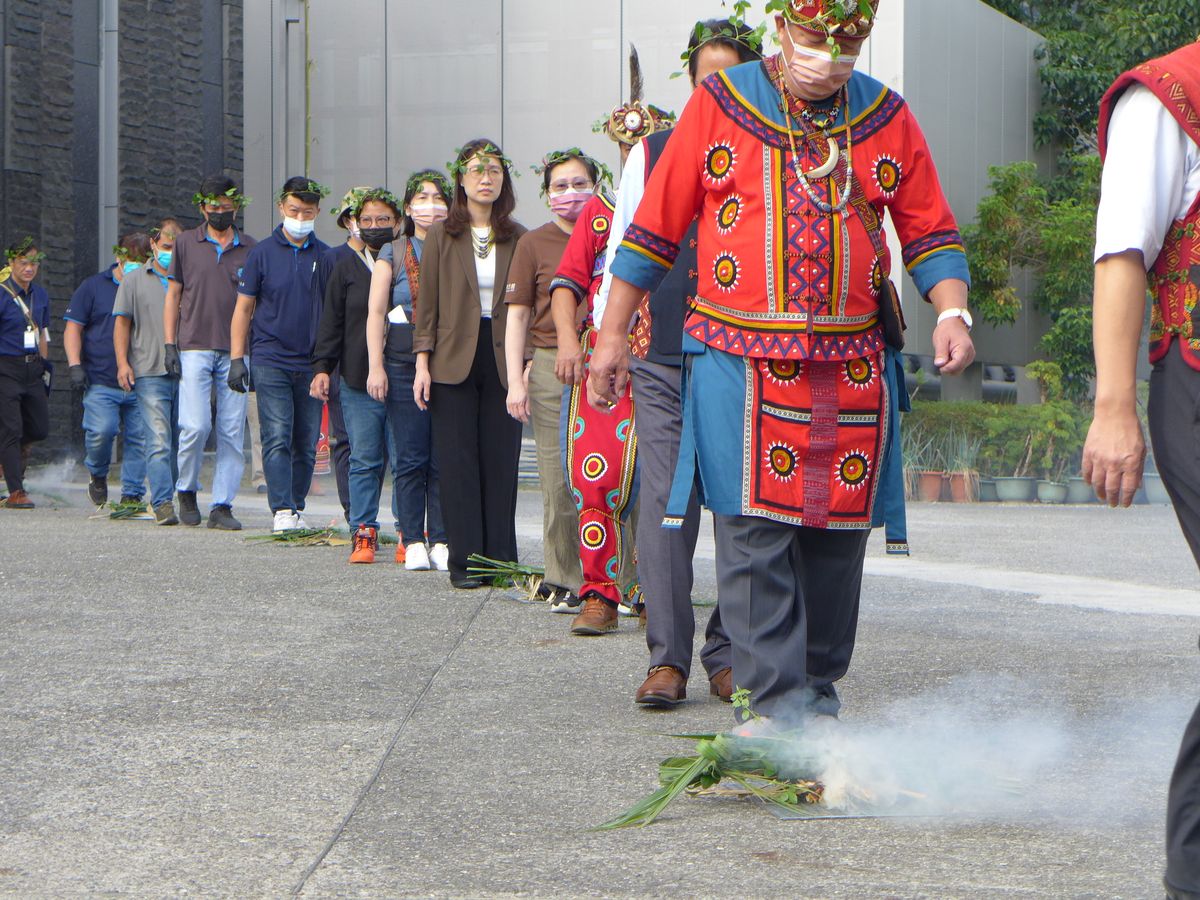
[[31, 330]]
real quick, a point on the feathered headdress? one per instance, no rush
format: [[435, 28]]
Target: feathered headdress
[[632, 121]]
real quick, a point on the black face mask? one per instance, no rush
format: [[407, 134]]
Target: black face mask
[[221, 221], [375, 238]]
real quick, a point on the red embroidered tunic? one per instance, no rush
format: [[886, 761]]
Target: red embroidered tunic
[[1174, 277], [582, 267]]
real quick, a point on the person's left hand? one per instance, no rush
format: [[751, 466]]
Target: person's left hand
[[239, 376], [953, 349], [608, 372], [79, 379], [125, 377], [319, 388]]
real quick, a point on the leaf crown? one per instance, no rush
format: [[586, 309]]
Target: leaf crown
[[832, 18], [22, 249], [734, 29], [382, 195], [238, 198], [458, 166], [413, 185], [313, 187], [555, 157]]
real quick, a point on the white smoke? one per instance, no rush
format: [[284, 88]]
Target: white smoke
[[993, 748]]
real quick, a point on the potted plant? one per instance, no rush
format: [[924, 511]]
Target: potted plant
[[922, 464], [962, 468]]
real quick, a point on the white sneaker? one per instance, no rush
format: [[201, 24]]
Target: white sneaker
[[285, 520], [439, 555], [300, 523], [416, 557]]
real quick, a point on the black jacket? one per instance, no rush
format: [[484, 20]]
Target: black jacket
[[342, 334]]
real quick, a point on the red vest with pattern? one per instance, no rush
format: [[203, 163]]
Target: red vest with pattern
[[1175, 276]]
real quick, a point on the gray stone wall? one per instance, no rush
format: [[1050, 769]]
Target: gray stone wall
[[180, 118]]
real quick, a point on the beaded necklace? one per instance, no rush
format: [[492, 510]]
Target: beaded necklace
[[483, 245], [844, 199]]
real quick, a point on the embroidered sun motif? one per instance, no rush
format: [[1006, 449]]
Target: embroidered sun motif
[[782, 371], [593, 535], [600, 225], [888, 174], [852, 470], [719, 163], [782, 462], [728, 214], [875, 285], [594, 467], [727, 272], [860, 374]]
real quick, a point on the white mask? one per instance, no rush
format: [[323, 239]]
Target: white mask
[[298, 228]]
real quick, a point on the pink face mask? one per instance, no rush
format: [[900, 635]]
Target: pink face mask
[[568, 206], [816, 73], [426, 215]]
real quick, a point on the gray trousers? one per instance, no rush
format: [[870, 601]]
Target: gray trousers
[[1175, 434], [665, 554], [789, 601]]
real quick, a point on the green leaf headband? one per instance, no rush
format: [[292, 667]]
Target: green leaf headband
[[22, 249], [555, 157], [458, 167], [830, 21], [238, 198], [418, 178], [314, 187], [729, 30], [380, 194]]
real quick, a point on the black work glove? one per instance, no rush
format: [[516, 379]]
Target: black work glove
[[79, 379], [239, 376], [172, 363]]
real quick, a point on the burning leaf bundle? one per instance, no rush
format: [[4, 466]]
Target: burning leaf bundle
[[126, 510]]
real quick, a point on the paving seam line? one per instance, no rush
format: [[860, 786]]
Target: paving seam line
[[366, 789]]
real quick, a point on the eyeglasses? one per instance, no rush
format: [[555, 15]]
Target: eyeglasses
[[376, 221], [494, 172], [579, 185]]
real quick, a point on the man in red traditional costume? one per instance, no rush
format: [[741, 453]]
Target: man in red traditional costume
[[1148, 237], [601, 449], [788, 404]]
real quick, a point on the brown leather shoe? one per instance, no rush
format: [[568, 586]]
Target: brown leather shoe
[[18, 500], [721, 685], [598, 617], [664, 688]]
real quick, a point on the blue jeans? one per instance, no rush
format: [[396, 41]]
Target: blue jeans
[[107, 411], [366, 424], [158, 398], [204, 370], [290, 423], [418, 502]]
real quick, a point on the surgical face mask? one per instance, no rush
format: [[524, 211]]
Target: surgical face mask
[[426, 215], [375, 238], [164, 258], [221, 221], [568, 206], [298, 228], [129, 267], [816, 73], [352, 228]]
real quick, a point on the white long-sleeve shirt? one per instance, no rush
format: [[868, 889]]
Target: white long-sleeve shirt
[[1151, 177], [629, 195]]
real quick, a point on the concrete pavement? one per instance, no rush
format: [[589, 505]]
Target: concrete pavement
[[188, 713]]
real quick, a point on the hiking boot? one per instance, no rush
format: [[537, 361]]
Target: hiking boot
[[366, 540], [98, 490], [598, 617], [416, 557], [221, 517], [18, 499], [189, 512], [164, 514]]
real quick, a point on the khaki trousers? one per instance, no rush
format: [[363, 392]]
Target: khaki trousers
[[560, 521]]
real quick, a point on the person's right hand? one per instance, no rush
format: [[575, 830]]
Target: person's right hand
[[239, 376], [125, 377], [79, 379], [319, 389], [377, 384], [173, 365], [421, 382], [609, 374], [1114, 456], [568, 364], [518, 402]]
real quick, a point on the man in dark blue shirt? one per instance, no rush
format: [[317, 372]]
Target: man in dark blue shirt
[[278, 307], [24, 339], [108, 410]]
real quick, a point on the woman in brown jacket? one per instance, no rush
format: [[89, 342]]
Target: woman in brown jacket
[[459, 343]]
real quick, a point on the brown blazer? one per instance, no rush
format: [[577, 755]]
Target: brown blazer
[[447, 317]]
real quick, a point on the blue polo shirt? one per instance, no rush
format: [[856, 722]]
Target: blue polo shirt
[[283, 279], [12, 320], [91, 306]]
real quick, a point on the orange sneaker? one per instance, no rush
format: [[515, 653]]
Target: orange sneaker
[[401, 551], [366, 539]]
